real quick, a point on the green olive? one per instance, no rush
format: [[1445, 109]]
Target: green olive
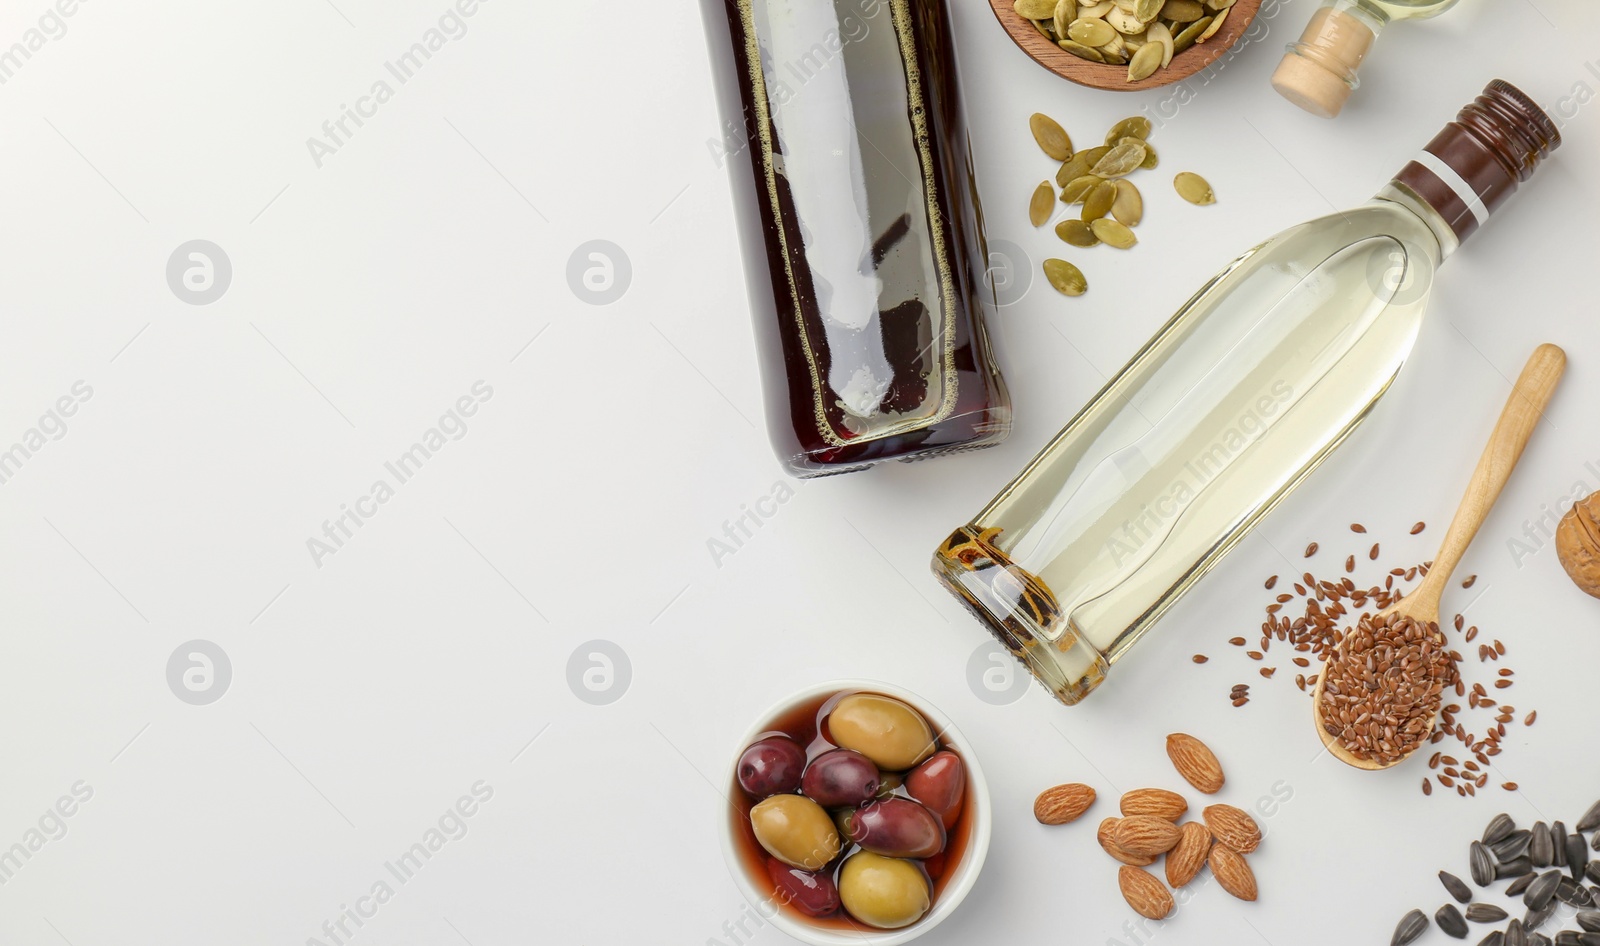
[[795, 830], [885, 892], [887, 731]]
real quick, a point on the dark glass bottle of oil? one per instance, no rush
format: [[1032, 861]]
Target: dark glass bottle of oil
[[861, 232]]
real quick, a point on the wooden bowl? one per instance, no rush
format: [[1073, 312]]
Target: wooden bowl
[[1115, 78]]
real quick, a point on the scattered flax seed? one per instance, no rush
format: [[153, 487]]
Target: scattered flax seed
[[1460, 621], [1271, 581], [1311, 550], [1499, 648], [1510, 786], [1427, 787], [1253, 654], [1268, 672], [1502, 684], [1201, 658], [1472, 632], [1418, 528], [1373, 555], [1350, 563], [1236, 641], [1241, 701], [1357, 527], [1528, 720], [1301, 662], [1300, 680], [1469, 582]]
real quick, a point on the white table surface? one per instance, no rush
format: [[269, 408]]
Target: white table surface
[[373, 685]]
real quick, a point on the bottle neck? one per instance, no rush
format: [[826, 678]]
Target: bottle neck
[[1400, 195]]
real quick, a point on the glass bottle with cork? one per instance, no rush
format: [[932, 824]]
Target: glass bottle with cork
[[1319, 72], [1238, 398]]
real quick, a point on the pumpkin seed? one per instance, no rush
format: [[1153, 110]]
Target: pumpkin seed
[[1162, 34], [1079, 187], [1035, 9], [1194, 188], [1113, 58], [1146, 10], [1066, 12], [1091, 32], [1052, 138], [1112, 233], [1077, 233], [1066, 278], [1216, 24], [1096, 10], [1219, 4], [1150, 158], [1044, 198], [1183, 11], [1043, 26], [1098, 202], [1124, 22], [1136, 127], [1189, 34], [1124, 158], [1143, 65], [1079, 165], [1081, 51], [1128, 207]]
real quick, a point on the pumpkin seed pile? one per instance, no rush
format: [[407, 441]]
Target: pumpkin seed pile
[[1097, 179], [1143, 35]]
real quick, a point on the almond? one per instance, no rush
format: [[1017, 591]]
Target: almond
[[1104, 837], [1145, 835], [1233, 827], [1147, 895], [1232, 871], [1062, 803], [1154, 801], [1185, 860], [1197, 764]]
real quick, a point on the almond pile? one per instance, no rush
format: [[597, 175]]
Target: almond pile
[[1151, 827]]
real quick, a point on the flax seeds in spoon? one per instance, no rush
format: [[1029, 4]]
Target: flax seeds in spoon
[[1384, 686]]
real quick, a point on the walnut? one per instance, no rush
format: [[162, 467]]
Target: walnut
[[1578, 543]]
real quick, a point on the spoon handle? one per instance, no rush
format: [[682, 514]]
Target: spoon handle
[[1522, 412]]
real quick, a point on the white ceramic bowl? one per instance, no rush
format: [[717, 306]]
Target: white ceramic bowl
[[758, 888]]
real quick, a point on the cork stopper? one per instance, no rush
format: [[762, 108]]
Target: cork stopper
[[1318, 73], [1477, 161]]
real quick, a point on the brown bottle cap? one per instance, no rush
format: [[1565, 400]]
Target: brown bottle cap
[[1319, 72], [1469, 169]]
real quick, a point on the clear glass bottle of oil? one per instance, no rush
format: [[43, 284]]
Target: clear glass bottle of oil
[[1266, 370], [1319, 72]]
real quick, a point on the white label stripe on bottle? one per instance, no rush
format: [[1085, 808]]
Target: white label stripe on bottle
[[1448, 176]]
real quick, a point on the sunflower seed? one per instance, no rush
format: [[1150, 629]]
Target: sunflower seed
[[1044, 197], [1514, 934], [1128, 208], [1066, 278], [1066, 12], [1542, 890], [1097, 203], [1409, 928], [1519, 885], [1123, 158], [1589, 920], [1500, 826], [1485, 913], [1112, 233], [1136, 127], [1558, 844], [1516, 867], [1539, 939], [1493, 939], [1457, 888], [1077, 233], [1075, 190], [1079, 164], [1573, 894], [1482, 865], [1052, 138], [1142, 66], [1589, 939], [1194, 188], [1540, 846], [1091, 32], [1593, 872], [1081, 51], [1536, 918], [1567, 938], [1590, 819], [1451, 921], [1189, 34], [1512, 845], [1577, 856], [1035, 9]]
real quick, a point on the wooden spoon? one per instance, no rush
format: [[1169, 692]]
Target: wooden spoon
[[1522, 412]]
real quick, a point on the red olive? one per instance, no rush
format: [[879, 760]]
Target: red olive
[[940, 783], [810, 892], [896, 827], [839, 778], [771, 766]]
